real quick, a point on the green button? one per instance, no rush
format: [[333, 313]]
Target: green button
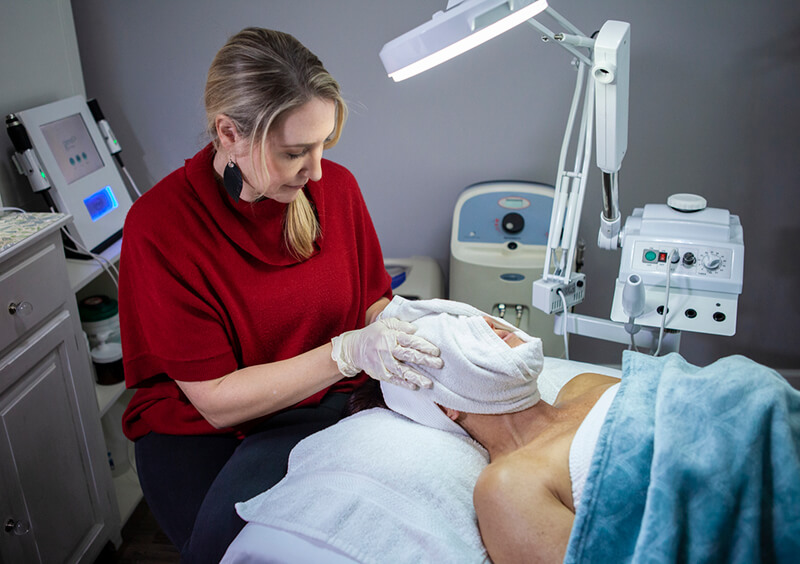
[[650, 256]]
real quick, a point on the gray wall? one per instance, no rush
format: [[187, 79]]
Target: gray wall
[[714, 110]]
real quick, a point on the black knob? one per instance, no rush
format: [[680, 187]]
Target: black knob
[[513, 223], [688, 259]]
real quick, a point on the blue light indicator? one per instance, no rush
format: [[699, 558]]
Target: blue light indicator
[[100, 203]]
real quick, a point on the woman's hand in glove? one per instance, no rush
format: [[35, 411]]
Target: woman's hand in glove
[[381, 349]]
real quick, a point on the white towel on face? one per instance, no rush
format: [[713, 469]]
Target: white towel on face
[[481, 373]]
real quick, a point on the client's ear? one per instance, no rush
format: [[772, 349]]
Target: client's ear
[[451, 413]]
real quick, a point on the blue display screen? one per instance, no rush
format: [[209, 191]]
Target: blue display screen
[[100, 203]]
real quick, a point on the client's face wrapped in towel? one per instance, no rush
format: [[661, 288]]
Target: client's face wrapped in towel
[[481, 373]]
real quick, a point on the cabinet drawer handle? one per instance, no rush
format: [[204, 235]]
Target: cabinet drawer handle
[[18, 528], [21, 308]]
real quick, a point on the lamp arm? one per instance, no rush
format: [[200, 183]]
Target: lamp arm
[[563, 21], [570, 185], [583, 159], [561, 196]]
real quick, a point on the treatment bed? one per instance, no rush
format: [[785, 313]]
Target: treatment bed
[[703, 462]]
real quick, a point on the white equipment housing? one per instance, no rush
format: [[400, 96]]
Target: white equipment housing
[[84, 179], [497, 248], [707, 272], [611, 70], [415, 278]]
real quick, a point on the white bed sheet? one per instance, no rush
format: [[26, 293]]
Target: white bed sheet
[[262, 544], [259, 544]]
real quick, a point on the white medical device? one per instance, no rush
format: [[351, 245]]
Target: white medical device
[[602, 84], [497, 249], [74, 159], [704, 250]]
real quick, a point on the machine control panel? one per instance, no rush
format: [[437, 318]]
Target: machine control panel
[[702, 254], [492, 217], [689, 260]]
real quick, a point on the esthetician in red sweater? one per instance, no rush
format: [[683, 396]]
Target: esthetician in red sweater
[[249, 280]]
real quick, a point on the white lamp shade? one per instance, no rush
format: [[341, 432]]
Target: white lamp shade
[[452, 32]]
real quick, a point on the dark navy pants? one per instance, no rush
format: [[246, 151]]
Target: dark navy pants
[[191, 483]]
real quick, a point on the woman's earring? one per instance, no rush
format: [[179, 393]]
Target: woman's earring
[[232, 179]]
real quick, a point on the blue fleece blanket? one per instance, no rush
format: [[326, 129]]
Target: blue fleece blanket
[[694, 465]]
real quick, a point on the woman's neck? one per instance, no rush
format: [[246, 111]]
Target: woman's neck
[[505, 433]]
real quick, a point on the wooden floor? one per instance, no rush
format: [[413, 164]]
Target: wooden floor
[[143, 542]]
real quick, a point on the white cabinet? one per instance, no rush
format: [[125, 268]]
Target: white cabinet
[[57, 502]]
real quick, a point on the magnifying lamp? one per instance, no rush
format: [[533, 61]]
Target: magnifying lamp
[[465, 24]]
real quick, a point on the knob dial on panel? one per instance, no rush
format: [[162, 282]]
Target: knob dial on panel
[[687, 202], [513, 223], [711, 262]]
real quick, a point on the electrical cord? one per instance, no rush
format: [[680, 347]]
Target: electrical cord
[[632, 346], [666, 302], [104, 263], [127, 174]]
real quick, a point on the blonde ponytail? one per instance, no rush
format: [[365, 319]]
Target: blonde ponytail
[[301, 227]]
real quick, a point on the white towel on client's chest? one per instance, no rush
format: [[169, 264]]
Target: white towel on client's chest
[[481, 373]]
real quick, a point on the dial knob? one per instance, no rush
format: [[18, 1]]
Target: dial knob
[[687, 202], [712, 262], [513, 223]]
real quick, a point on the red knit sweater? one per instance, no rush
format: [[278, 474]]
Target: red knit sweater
[[207, 287]]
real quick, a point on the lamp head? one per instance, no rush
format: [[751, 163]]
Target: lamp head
[[458, 29]]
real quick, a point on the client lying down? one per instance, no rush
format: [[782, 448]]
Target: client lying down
[[526, 499], [690, 463], [673, 463]]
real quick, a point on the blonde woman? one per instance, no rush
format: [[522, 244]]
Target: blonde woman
[[250, 280]]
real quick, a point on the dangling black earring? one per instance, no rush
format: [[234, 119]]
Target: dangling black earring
[[232, 179]]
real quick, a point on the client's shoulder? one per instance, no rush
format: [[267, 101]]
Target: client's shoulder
[[517, 502], [586, 384], [525, 469]]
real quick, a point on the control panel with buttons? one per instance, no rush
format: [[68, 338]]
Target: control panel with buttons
[[702, 250], [687, 260]]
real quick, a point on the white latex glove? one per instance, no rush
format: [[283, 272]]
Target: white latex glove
[[381, 349]]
